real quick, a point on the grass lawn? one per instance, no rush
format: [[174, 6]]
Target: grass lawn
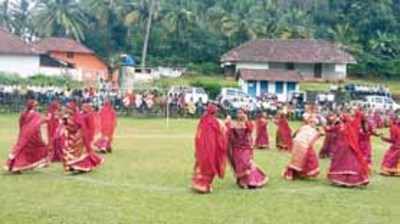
[[146, 180]]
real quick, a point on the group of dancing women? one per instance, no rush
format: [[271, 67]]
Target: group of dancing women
[[75, 134], [347, 143]]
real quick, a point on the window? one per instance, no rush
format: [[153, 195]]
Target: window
[[290, 66], [291, 87], [278, 87], [252, 88], [70, 55], [264, 87]]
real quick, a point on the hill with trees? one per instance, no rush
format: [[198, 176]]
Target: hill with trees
[[196, 33]]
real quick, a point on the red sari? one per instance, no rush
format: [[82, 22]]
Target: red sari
[[364, 142], [210, 154], [30, 151], [348, 166], [329, 145], [262, 139], [108, 122], [55, 133], [284, 140], [78, 153], [391, 161], [304, 162], [248, 174]]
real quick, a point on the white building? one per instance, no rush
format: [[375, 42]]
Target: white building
[[24, 59], [16, 56], [276, 66]]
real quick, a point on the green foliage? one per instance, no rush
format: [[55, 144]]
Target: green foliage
[[211, 86], [38, 80], [207, 68], [195, 34], [10, 79]]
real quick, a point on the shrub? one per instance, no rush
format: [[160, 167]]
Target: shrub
[[38, 80], [213, 88], [10, 79], [204, 68]]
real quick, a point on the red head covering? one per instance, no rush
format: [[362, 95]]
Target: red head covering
[[54, 107], [212, 109], [31, 104], [86, 107], [72, 107]]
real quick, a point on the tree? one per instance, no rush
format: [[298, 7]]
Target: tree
[[5, 15], [60, 18]]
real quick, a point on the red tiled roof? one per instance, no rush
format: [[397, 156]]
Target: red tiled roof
[[270, 75], [62, 45], [295, 50], [12, 44]]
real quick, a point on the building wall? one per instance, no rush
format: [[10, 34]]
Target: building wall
[[334, 72], [306, 70], [54, 71], [271, 89], [90, 65], [331, 72], [23, 65], [249, 65], [277, 65]]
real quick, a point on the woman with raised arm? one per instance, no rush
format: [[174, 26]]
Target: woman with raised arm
[[391, 161], [328, 147], [348, 165], [210, 151], [304, 162], [241, 153], [30, 151], [364, 141]]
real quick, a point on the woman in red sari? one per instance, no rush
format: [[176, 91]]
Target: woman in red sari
[[55, 132], [108, 122], [348, 165], [304, 162], [241, 153], [30, 152], [262, 139], [364, 141], [391, 161], [80, 130], [329, 144], [284, 140], [210, 154]]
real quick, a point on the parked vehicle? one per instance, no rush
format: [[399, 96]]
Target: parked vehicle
[[190, 93], [232, 98], [378, 102]]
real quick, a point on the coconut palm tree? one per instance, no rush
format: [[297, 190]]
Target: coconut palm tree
[[60, 18]]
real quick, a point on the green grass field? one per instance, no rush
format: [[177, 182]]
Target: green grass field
[[146, 180]]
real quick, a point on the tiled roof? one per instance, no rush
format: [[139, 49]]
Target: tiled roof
[[12, 44], [62, 45], [295, 50]]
